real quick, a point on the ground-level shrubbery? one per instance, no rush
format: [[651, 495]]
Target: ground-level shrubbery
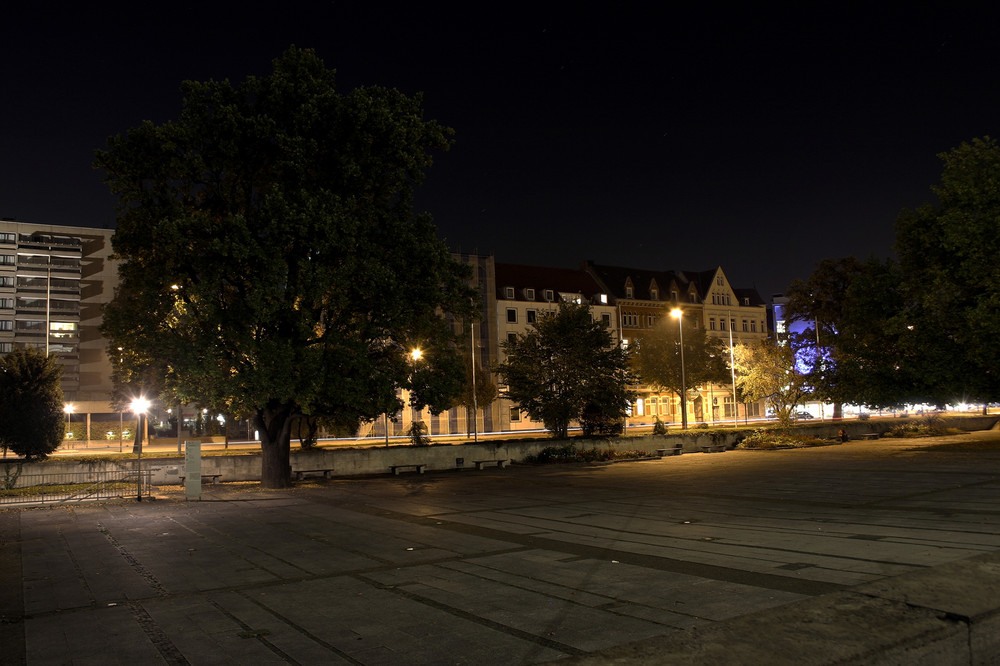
[[569, 453], [931, 425], [778, 439]]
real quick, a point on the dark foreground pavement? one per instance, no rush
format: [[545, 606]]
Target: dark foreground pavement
[[868, 552]]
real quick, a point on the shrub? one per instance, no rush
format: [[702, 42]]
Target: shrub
[[659, 428], [928, 426]]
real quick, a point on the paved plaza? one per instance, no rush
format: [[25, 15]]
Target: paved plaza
[[517, 566]]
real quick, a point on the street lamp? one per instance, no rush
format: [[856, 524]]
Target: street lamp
[[678, 314], [68, 409], [139, 406]]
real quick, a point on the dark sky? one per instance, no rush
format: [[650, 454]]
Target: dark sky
[[761, 140]]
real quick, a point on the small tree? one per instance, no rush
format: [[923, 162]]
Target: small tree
[[478, 394], [566, 364], [31, 403], [766, 371]]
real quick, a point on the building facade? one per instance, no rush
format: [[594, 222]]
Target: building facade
[[54, 283]]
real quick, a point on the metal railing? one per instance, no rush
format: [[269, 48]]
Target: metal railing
[[26, 489]]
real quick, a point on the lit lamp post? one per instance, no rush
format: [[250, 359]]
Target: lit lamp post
[[415, 355], [678, 314], [68, 409], [139, 407]]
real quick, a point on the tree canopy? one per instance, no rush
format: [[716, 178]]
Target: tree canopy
[[271, 260], [765, 370], [567, 368], [31, 403], [657, 358]]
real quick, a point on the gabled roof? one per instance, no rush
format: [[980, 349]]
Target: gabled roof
[[749, 293], [540, 278], [614, 278]]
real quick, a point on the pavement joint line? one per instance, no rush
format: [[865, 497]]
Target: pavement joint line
[[157, 637], [541, 641], [302, 630], [252, 633], [133, 562], [711, 571]]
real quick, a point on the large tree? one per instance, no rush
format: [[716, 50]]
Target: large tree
[[566, 368], [31, 403], [271, 260], [765, 370], [657, 358], [951, 277]]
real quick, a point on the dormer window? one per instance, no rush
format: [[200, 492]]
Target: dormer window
[[508, 293], [746, 301], [654, 294], [673, 296], [628, 292], [529, 294], [550, 295], [604, 299]]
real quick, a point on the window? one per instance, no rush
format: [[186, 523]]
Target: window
[[719, 281], [606, 319], [722, 324], [604, 299], [727, 407], [753, 409], [628, 292], [515, 414], [512, 337], [753, 327], [550, 295], [693, 297], [6, 303], [531, 316], [508, 293], [746, 301], [6, 325], [746, 326], [654, 294], [511, 316], [652, 404], [711, 323], [529, 294], [673, 295], [7, 238], [6, 260], [6, 280], [732, 324], [6, 347]]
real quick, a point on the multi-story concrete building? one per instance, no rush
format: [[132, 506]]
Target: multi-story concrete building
[[54, 282]]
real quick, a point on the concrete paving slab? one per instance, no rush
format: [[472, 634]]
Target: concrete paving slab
[[701, 557]]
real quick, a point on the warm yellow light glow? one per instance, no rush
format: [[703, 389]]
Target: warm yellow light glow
[[69, 408], [139, 405], [416, 354], [677, 313]]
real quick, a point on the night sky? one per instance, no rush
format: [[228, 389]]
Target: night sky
[[758, 140]]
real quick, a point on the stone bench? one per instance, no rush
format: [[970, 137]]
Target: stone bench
[[674, 450], [713, 448], [500, 463], [300, 473], [418, 467]]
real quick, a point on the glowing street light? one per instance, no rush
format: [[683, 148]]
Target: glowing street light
[[678, 314], [138, 406]]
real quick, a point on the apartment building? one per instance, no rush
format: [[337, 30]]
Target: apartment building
[[54, 282]]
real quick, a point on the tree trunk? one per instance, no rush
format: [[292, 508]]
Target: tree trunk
[[275, 425]]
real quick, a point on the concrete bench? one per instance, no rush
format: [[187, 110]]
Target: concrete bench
[[868, 435], [500, 463], [214, 477], [418, 467], [674, 450], [300, 473], [713, 448]]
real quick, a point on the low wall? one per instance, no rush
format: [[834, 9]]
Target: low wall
[[373, 460]]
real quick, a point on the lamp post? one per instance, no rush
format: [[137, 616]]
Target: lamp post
[[415, 355], [139, 407], [678, 314]]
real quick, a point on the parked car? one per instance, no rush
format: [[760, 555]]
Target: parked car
[[802, 416]]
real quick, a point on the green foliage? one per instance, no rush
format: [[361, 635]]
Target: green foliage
[[766, 371], [271, 261], [566, 364], [657, 357], [951, 277], [659, 428], [931, 425], [31, 403], [570, 454], [417, 433], [775, 439]]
